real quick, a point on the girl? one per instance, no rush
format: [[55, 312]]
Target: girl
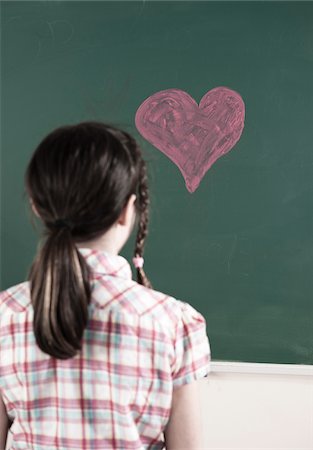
[[91, 359]]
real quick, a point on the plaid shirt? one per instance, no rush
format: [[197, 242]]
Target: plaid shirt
[[116, 393]]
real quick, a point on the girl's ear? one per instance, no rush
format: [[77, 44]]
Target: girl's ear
[[127, 216]]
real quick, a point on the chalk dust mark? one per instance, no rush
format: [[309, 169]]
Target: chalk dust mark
[[52, 24], [141, 9], [55, 34], [10, 19], [142, 6], [232, 252], [137, 18], [39, 48]]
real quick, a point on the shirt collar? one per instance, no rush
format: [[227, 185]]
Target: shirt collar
[[106, 263]]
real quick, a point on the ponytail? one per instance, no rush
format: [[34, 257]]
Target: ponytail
[[60, 293]]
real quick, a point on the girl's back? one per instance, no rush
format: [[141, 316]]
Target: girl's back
[[91, 359]]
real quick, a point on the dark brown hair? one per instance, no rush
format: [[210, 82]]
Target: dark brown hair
[[84, 174]]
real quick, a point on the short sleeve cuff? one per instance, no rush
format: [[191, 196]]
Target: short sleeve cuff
[[202, 372]]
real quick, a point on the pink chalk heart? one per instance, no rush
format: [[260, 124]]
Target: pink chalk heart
[[192, 136]]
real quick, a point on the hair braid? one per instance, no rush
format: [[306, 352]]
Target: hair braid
[[143, 204]]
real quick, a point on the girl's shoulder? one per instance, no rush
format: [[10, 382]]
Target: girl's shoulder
[[165, 308], [15, 299], [181, 325]]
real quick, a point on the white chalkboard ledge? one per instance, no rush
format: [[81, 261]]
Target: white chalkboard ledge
[[260, 368]]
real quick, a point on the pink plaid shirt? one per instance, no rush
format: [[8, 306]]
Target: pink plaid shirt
[[117, 392]]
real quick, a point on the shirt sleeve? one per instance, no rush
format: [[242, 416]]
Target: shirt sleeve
[[192, 347]]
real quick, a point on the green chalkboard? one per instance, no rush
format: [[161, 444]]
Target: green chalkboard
[[240, 248]]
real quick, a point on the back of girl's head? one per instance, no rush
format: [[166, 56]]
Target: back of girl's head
[[84, 174]]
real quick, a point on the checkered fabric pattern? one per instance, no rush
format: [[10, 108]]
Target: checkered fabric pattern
[[116, 393]]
